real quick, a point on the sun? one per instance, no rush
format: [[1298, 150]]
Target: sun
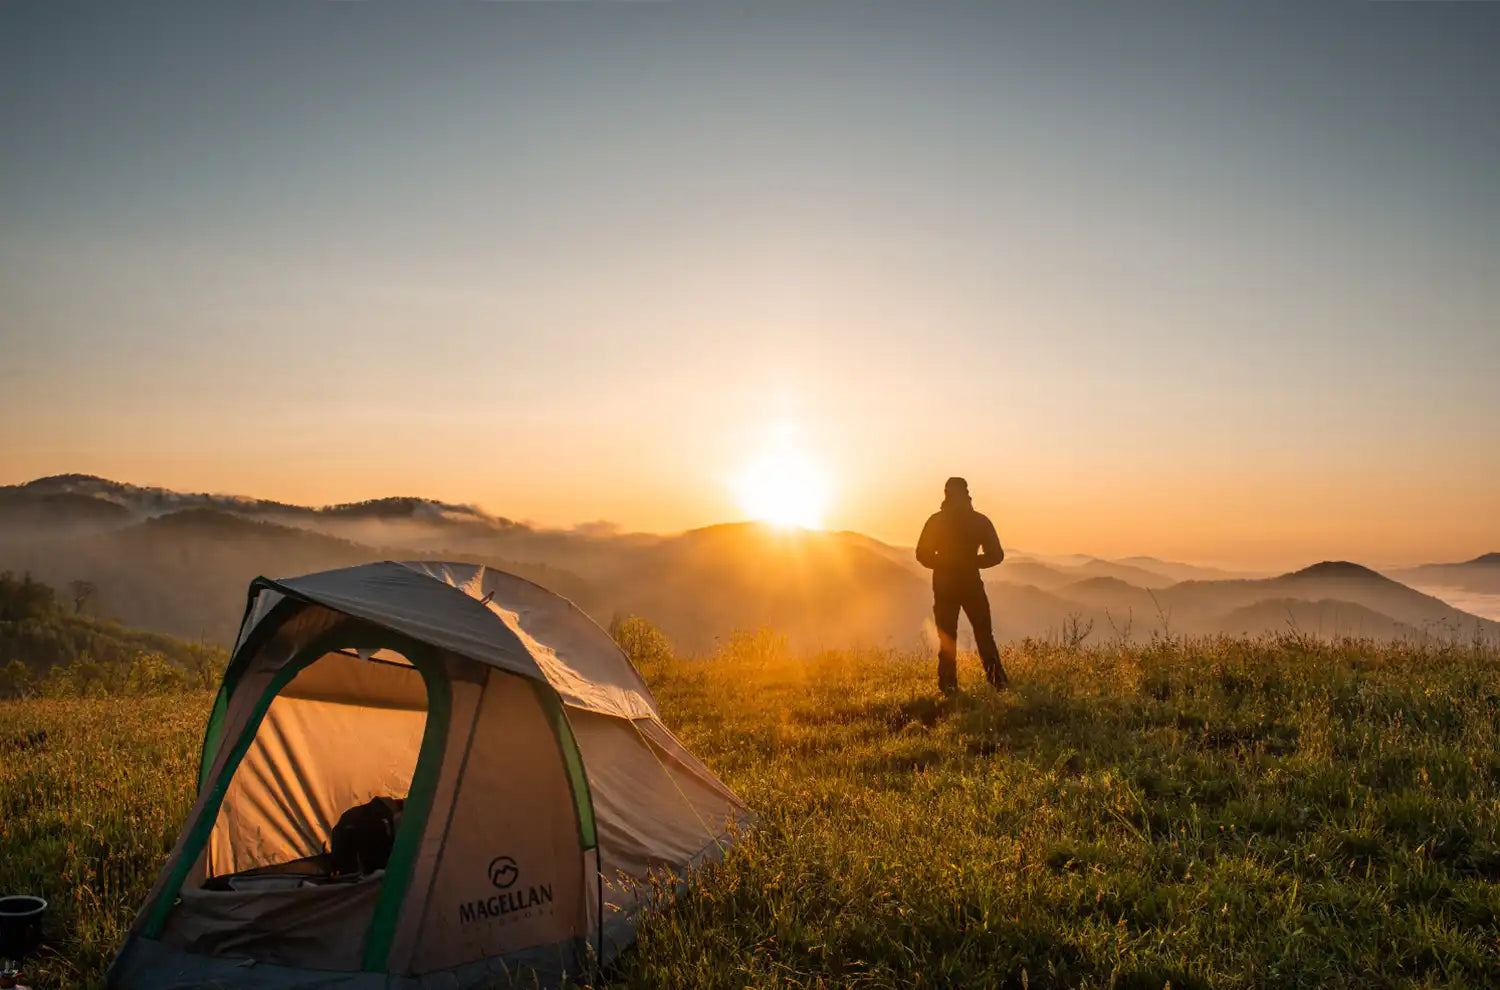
[[784, 488]]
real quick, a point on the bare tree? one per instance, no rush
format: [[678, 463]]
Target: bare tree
[[1163, 616], [1075, 630], [83, 592]]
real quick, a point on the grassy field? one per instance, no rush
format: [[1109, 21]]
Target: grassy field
[[1228, 814]]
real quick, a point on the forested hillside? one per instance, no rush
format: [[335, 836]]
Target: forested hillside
[[50, 645]]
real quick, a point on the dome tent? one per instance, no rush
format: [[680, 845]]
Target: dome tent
[[542, 794]]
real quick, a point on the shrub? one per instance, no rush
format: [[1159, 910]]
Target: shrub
[[642, 642]]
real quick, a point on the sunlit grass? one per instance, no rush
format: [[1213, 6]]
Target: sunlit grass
[[1226, 814], [88, 815]]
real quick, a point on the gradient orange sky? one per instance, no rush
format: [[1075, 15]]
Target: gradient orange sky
[[1218, 285]]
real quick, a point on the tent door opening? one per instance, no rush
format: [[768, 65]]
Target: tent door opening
[[338, 744], [315, 807]]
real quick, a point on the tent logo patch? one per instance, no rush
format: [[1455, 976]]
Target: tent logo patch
[[504, 872], [513, 903]]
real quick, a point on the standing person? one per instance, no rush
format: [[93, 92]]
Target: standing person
[[957, 543]]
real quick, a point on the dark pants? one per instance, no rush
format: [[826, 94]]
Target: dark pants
[[949, 597]]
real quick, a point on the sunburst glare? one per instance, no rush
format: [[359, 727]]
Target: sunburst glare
[[785, 488]]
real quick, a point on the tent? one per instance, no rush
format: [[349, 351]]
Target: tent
[[544, 800]]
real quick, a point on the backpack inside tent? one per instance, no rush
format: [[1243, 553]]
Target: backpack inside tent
[[422, 775]]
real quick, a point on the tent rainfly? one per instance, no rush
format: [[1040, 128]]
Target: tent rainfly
[[539, 798]]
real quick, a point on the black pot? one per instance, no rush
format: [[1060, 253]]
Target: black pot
[[20, 925]]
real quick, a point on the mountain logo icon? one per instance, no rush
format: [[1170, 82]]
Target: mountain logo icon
[[504, 872]]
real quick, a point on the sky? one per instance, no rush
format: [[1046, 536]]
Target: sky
[[1210, 282]]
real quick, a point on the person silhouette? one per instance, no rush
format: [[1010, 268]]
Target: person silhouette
[[956, 544]]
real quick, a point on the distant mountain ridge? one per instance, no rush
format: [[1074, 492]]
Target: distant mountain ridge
[[150, 501], [1480, 575], [58, 510], [1340, 581], [1179, 571], [1143, 572], [179, 563], [138, 499]]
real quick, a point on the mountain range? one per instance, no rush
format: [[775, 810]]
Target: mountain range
[[1480, 575], [179, 563]]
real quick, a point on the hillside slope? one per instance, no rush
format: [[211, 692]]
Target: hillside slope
[[40, 633], [1480, 575], [817, 588], [186, 573], [1199, 604], [1119, 819], [1320, 619], [29, 515]]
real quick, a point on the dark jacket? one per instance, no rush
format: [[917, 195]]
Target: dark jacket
[[956, 543]]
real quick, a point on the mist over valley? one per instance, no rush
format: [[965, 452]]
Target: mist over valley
[[179, 563]]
